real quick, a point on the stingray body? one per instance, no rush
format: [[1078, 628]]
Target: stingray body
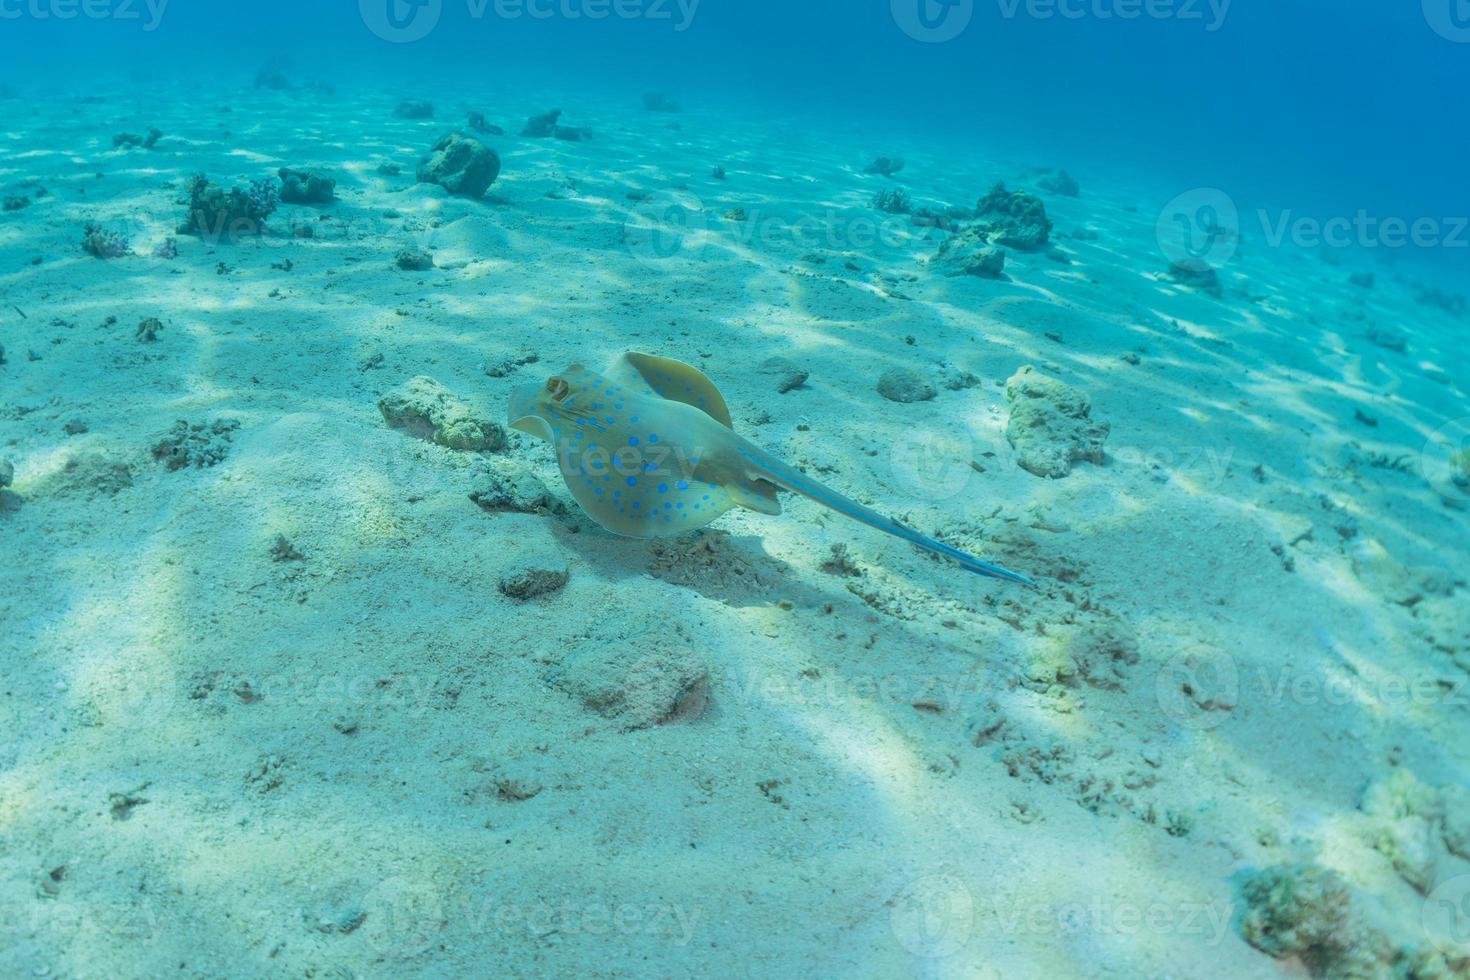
[[648, 451]]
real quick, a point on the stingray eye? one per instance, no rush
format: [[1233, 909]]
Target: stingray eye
[[558, 389]]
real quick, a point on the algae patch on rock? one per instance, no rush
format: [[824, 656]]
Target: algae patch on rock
[[1297, 909], [425, 408], [509, 487], [970, 253], [533, 579], [1016, 219], [1051, 425]]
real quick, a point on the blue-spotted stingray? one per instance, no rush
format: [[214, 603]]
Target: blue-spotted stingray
[[648, 451]]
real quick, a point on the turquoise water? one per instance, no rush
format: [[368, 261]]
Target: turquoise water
[[1322, 108], [349, 404]]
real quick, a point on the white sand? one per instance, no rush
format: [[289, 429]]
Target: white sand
[[813, 822]]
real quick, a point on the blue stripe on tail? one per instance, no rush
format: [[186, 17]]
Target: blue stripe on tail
[[793, 479]]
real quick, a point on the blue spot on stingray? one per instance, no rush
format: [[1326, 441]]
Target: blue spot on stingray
[[636, 505], [632, 481], [663, 488], [653, 438], [632, 440], [683, 484]]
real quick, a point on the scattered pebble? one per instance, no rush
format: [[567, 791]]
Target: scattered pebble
[[904, 386], [415, 260], [789, 376], [414, 109], [534, 580], [283, 550], [1196, 275], [1389, 338]]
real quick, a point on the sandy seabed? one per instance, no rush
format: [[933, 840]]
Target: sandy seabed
[[271, 713]]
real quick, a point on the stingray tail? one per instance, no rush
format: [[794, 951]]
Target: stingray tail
[[772, 469]]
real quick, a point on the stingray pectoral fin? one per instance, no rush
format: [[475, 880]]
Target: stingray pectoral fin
[[766, 466], [524, 412], [671, 379]]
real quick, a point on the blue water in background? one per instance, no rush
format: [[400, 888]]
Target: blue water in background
[[1322, 108]]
